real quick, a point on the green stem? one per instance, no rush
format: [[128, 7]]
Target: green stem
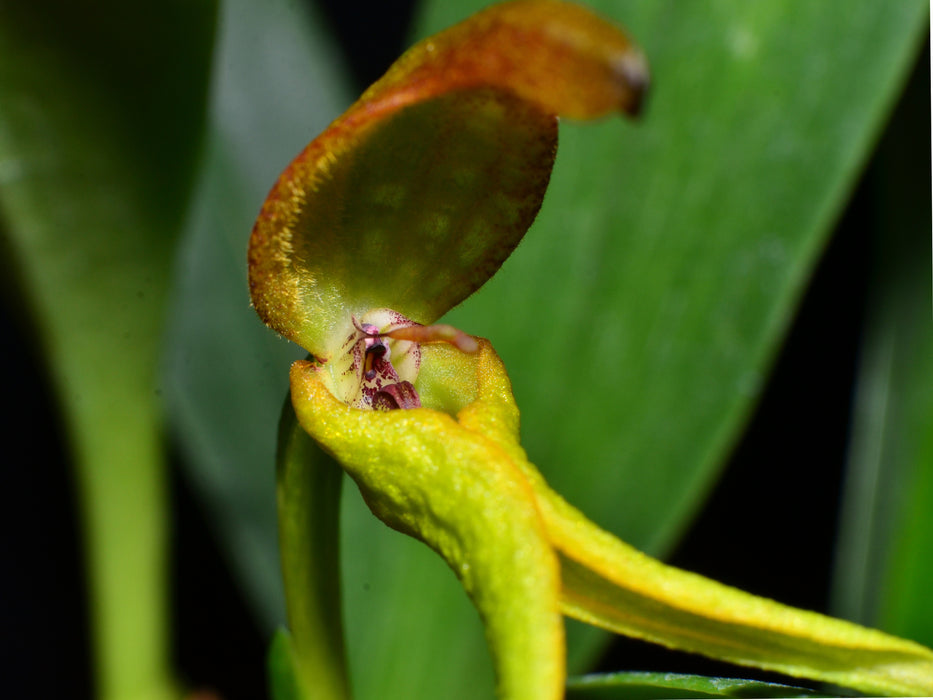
[[308, 489]]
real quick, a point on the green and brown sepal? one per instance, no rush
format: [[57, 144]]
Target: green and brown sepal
[[415, 196]]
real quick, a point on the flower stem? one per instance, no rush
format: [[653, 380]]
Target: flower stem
[[308, 491]]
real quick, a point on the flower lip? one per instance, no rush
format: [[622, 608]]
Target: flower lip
[[400, 395], [381, 357]]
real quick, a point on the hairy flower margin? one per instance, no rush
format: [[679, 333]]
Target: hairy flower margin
[[403, 207]]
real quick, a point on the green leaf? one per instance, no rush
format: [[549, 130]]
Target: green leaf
[[647, 686], [648, 300], [885, 564], [99, 129], [283, 678]]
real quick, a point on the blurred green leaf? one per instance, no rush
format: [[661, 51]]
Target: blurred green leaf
[[99, 128], [283, 680], [275, 85], [647, 686], [885, 565]]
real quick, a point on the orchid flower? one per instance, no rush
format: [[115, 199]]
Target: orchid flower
[[401, 209]]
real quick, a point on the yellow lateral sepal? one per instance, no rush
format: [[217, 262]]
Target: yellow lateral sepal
[[426, 475]]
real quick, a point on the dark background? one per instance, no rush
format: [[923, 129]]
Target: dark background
[[743, 536]]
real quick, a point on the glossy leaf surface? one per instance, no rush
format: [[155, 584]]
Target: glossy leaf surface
[[648, 686]]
